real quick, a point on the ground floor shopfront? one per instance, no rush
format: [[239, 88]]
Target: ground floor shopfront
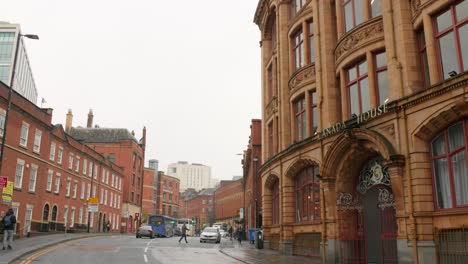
[[387, 187]]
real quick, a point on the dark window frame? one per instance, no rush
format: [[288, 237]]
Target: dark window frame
[[378, 70], [422, 51], [298, 49], [307, 190], [448, 155], [300, 118], [356, 81], [313, 107], [453, 28]]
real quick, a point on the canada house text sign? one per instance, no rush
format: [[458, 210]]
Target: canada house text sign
[[361, 118]]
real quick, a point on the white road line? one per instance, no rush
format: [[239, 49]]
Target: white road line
[[146, 258], [146, 249]]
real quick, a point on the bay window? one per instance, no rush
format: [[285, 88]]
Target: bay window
[[296, 6], [358, 88], [298, 49], [353, 11], [452, 39], [381, 77], [313, 112], [300, 118]]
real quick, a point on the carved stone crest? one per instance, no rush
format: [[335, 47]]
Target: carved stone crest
[[366, 32]]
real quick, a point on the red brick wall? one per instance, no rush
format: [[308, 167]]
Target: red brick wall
[[38, 198], [168, 195], [201, 211], [148, 203], [229, 198]]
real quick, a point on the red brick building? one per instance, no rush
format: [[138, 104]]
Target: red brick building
[[253, 182], [188, 194], [168, 195], [149, 201], [201, 208], [52, 175], [228, 201], [121, 147]]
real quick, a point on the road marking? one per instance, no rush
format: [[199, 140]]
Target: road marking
[[146, 249], [146, 258], [34, 256]]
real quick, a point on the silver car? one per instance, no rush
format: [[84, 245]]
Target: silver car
[[210, 234]]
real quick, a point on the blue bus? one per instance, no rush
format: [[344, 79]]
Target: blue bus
[[163, 226]]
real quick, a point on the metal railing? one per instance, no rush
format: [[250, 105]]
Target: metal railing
[[452, 245]]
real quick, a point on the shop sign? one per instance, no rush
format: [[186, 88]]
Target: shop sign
[[7, 194]]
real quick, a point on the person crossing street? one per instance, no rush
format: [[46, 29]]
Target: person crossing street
[[184, 233]]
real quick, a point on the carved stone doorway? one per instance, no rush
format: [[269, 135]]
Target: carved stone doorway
[[368, 228]]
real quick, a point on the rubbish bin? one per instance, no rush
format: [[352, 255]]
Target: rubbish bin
[[252, 235], [259, 239]]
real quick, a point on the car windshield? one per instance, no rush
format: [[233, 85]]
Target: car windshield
[[210, 230]]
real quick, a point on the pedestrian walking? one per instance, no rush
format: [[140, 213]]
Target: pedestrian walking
[[9, 221], [230, 231], [184, 233], [108, 226], [240, 231]]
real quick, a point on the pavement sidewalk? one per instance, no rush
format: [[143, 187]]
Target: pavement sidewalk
[[247, 253], [28, 245]]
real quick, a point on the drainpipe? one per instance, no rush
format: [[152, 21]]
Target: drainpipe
[[408, 174], [318, 76]]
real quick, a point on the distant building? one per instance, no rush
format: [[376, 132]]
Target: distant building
[[120, 146], [229, 199], [201, 208], [196, 176], [252, 180], [214, 182], [24, 82], [168, 195]]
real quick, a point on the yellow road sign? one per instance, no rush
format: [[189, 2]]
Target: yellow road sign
[[93, 200]]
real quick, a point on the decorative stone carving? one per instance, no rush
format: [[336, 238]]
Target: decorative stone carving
[[304, 75], [272, 107], [364, 33], [415, 4]]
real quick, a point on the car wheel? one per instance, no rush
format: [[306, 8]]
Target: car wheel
[[137, 236]]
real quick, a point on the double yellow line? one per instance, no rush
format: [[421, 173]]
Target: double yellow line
[[36, 255]]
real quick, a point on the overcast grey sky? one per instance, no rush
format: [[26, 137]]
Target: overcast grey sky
[[188, 70]]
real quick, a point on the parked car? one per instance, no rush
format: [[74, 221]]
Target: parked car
[[210, 234], [145, 231]]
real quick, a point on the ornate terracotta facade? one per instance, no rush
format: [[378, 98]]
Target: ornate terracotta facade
[[360, 103]]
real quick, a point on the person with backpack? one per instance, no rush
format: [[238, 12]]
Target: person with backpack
[[9, 221]]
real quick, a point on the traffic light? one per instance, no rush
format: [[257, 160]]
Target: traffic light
[[172, 222]]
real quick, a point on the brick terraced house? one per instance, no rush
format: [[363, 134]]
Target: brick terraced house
[[53, 175], [365, 129]]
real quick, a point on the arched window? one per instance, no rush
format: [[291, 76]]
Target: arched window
[[275, 203], [307, 189], [449, 160]]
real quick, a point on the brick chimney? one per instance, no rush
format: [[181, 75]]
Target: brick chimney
[[90, 119], [69, 121]]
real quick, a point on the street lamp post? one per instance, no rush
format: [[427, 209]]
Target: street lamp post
[[10, 91]]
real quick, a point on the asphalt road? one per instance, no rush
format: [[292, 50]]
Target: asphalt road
[[128, 249]]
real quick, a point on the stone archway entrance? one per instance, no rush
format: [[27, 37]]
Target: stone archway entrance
[[367, 217]]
